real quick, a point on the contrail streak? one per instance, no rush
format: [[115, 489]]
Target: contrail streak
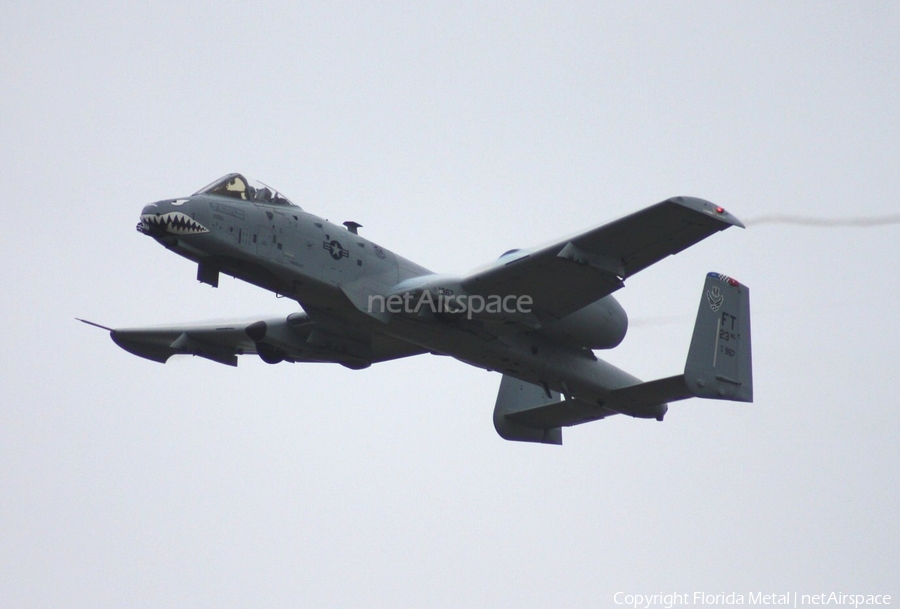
[[861, 221], [662, 320]]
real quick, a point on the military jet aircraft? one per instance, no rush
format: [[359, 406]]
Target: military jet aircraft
[[535, 315]]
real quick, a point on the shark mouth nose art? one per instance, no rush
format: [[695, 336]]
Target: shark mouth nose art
[[174, 222]]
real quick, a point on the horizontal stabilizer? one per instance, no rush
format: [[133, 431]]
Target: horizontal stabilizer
[[653, 392], [529, 413], [564, 413], [649, 400]]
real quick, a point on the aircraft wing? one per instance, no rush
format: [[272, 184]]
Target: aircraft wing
[[570, 274], [296, 338], [218, 342]]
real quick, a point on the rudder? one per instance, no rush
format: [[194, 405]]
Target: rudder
[[719, 364]]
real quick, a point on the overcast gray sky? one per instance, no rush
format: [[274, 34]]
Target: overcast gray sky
[[453, 132]]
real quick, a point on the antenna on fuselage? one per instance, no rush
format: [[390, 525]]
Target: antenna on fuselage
[[353, 227]]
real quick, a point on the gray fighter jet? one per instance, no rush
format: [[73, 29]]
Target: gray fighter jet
[[535, 315]]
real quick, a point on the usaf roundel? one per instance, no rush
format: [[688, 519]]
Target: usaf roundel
[[336, 250]]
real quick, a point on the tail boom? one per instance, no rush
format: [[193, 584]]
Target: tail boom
[[718, 366]]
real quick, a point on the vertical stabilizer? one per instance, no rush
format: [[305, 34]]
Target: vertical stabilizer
[[516, 396], [719, 364]]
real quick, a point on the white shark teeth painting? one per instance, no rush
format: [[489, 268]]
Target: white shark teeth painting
[[173, 222]]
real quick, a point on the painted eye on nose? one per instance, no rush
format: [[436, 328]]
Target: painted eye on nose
[[179, 202]]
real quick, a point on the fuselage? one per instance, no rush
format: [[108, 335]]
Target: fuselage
[[334, 273]]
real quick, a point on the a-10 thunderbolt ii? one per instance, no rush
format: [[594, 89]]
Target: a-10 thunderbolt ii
[[534, 315]]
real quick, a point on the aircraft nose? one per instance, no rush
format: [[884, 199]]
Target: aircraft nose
[[171, 216], [148, 214], [150, 209]]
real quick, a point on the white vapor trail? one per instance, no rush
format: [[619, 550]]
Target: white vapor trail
[[815, 221]]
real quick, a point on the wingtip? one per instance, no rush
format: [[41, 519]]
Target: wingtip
[[710, 209], [737, 222], [90, 323]]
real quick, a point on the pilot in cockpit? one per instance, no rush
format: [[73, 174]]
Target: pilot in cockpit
[[262, 195], [236, 186]]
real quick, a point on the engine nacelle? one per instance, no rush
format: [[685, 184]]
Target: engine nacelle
[[270, 351], [600, 325]]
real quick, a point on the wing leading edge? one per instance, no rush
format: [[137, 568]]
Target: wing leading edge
[[296, 338], [570, 274]]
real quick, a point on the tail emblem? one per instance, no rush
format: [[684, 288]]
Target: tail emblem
[[715, 298]]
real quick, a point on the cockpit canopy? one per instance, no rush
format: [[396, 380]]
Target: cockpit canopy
[[236, 186]]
